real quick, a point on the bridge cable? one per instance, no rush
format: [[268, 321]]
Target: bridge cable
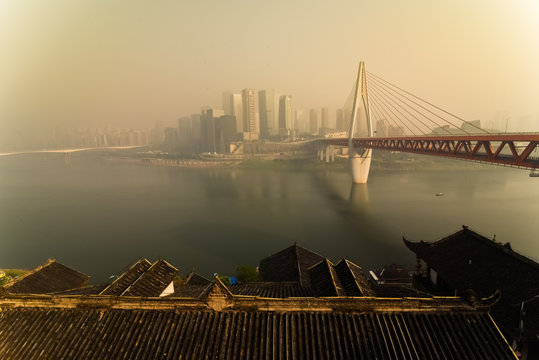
[[414, 109], [445, 121], [385, 107], [382, 118], [391, 98], [385, 84], [453, 115], [376, 98]]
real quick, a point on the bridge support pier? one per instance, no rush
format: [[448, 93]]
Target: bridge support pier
[[360, 165], [329, 153]]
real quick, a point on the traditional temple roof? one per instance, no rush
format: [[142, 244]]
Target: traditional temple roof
[[530, 318], [468, 260], [352, 279], [86, 290], [143, 279], [228, 326], [48, 278], [397, 291], [196, 279], [290, 264], [154, 281], [271, 290], [189, 291], [324, 279], [120, 285], [343, 279]]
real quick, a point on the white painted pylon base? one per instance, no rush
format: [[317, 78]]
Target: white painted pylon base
[[360, 165]]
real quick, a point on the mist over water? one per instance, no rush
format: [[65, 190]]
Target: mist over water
[[98, 217]]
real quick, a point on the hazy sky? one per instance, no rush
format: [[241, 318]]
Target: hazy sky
[[130, 62]]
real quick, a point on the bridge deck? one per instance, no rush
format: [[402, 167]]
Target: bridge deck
[[504, 149]]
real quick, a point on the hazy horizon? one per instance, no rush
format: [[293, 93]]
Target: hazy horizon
[[131, 63]]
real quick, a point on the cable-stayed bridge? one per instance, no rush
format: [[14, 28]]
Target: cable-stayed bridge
[[408, 123]]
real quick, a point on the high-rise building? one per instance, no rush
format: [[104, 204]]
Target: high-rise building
[[250, 110], [208, 132], [324, 117], [171, 137], [185, 131], [157, 133], [225, 132], [299, 122], [232, 105], [268, 104], [313, 121], [339, 124], [227, 103], [286, 126], [195, 127]]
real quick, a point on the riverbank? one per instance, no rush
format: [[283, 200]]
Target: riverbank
[[381, 160]]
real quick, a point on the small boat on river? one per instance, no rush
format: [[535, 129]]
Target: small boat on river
[[439, 194]]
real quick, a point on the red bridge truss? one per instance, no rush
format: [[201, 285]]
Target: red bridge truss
[[505, 149]]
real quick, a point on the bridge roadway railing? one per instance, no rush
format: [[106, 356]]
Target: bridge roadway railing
[[515, 150]]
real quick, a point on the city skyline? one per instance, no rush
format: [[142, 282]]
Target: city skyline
[[132, 63]]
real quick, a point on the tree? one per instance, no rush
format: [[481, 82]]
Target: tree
[[247, 273]]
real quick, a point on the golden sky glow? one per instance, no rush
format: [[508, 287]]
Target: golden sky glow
[[131, 62]]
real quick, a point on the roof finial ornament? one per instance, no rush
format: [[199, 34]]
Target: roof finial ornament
[[465, 227]]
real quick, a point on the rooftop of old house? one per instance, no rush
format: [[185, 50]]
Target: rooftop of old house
[[219, 323], [309, 308], [48, 278], [469, 260]]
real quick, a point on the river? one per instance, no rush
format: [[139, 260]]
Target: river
[[99, 217]]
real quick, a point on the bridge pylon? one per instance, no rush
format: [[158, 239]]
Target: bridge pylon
[[360, 158]]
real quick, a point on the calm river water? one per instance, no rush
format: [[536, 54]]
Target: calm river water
[[98, 217]]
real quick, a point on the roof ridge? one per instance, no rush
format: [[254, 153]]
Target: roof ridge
[[49, 262], [123, 273], [166, 262], [298, 265], [31, 272], [347, 263], [508, 250], [141, 276], [304, 248]]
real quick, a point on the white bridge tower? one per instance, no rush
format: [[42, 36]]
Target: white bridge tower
[[360, 159]]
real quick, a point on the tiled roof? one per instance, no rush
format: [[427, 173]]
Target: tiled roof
[[48, 278], [87, 290], [468, 260], [397, 291], [271, 290], [530, 318], [120, 285], [196, 279], [87, 328], [352, 279], [290, 264], [343, 279], [143, 279], [189, 291], [154, 281], [324, 279]]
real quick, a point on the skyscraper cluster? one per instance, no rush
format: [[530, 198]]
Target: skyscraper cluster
[[253, 115]]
